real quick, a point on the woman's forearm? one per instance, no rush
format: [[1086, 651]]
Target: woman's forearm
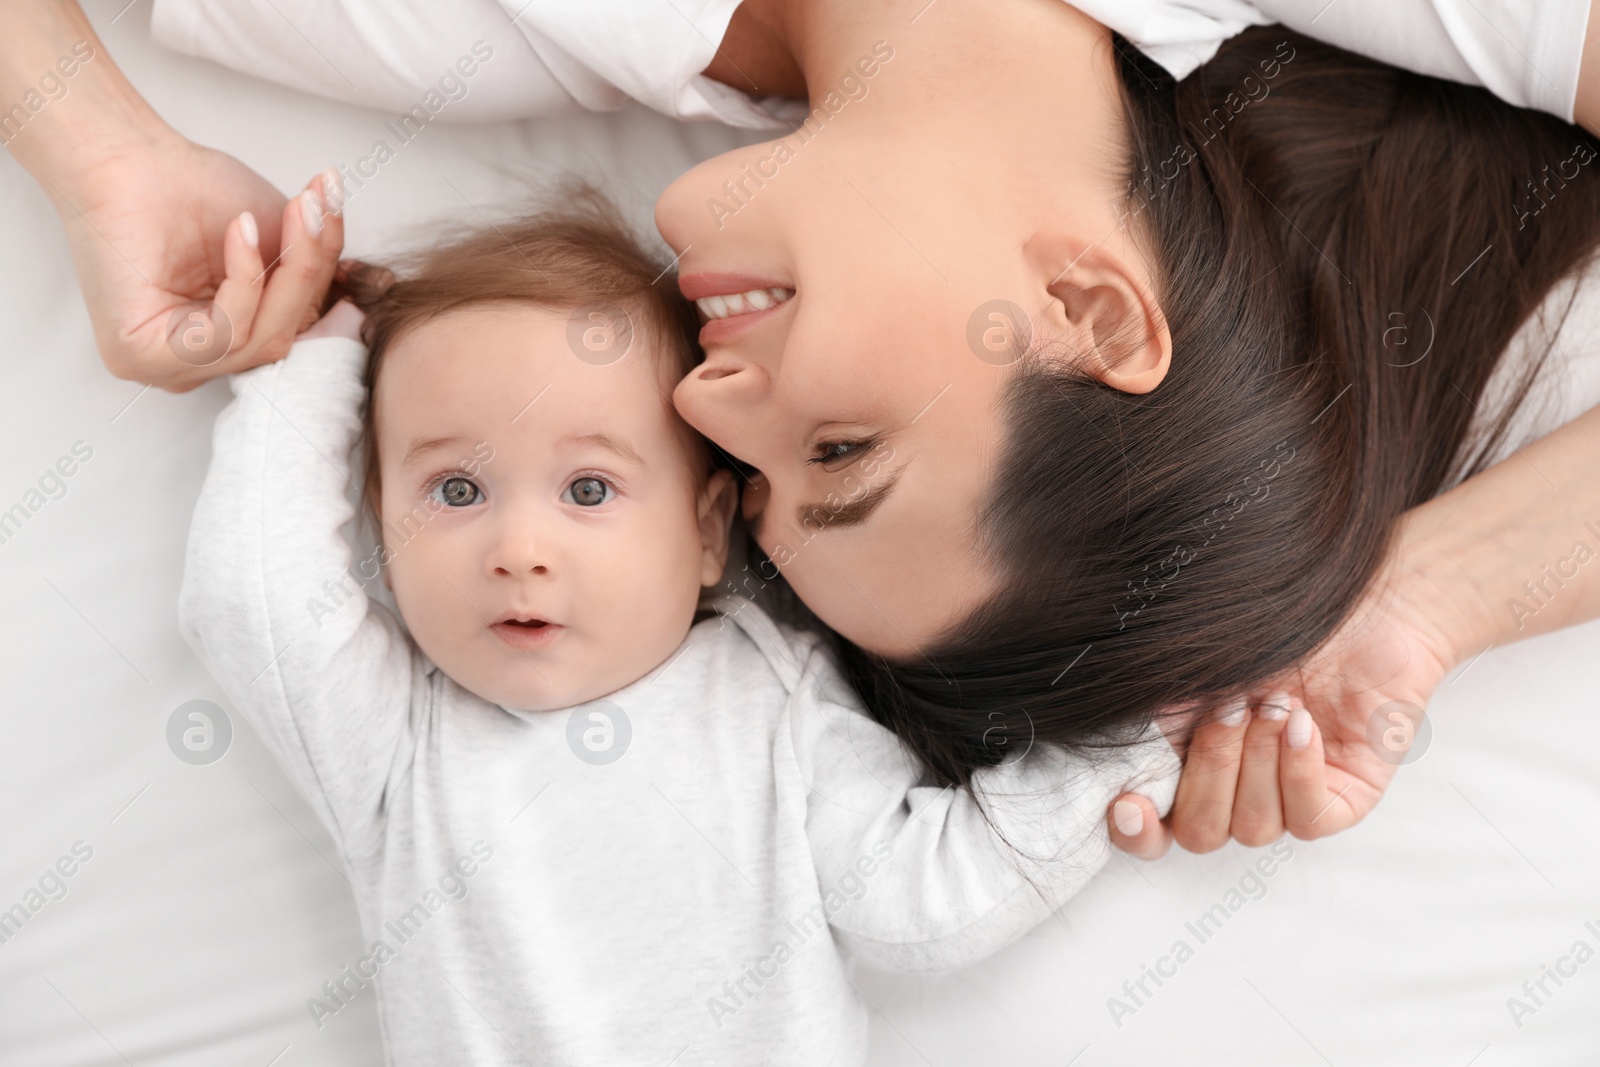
[[64, 105], [1514, 551]]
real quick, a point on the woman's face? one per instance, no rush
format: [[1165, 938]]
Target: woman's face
[[870, 421], [901, 261]]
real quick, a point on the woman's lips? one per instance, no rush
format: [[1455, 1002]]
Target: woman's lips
[[714, 330], [528, 638], [722, 283], [731, 302]]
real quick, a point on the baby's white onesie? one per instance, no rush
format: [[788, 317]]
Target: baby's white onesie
[[527, 894]]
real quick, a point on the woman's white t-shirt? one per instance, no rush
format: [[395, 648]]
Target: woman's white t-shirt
[[556, 56], [1526, 52]]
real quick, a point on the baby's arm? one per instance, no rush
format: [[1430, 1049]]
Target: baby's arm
[[933, 885], [270, 600]]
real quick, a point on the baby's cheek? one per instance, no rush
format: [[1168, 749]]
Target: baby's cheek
[[666, 588], [428, 606]]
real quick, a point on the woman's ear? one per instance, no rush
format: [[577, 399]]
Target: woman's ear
[[717, 501], [1107, 316]]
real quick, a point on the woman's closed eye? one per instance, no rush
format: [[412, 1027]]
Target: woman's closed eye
[[831, 455]]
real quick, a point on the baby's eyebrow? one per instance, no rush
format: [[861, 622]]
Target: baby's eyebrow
[[424, 445], [608, 442]]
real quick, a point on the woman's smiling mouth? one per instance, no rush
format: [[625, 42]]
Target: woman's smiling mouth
[[729, 302], [721, 307]]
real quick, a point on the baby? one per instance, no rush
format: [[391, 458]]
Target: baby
[[581, 826]]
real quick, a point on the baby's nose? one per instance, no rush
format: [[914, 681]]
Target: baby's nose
[[521, 553], [515, 569]]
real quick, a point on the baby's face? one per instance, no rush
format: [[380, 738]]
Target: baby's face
[[562, 492]]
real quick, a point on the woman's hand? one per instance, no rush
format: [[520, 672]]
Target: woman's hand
[[173, 244], [1501, 557], [172, 241], [1313, 773]]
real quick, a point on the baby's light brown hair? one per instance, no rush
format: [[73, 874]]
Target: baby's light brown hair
[[577, 257]]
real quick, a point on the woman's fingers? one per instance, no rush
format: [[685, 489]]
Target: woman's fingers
[[313, 236], [1137, 829], [1248, 777], [234, 306], [1303, 776], [1203, 811], [204, 335], [1258, 804]]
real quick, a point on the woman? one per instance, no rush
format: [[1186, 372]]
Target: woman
[[887, 186], [861, 220]]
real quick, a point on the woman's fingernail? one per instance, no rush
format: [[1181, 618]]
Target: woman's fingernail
[[1128, 816], [332, 191], [1299, 728], [1233, 714], [1275, 708], [311, 211], [247, 230]]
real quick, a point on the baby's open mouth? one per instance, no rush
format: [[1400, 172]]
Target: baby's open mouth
[[526, 633]]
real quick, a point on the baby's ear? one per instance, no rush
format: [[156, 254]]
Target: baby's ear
[[717, 501]]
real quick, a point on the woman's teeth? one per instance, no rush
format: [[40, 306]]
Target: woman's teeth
[[720, 307]]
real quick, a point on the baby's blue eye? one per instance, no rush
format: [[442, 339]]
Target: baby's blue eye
[[587, 492], [458, 492]]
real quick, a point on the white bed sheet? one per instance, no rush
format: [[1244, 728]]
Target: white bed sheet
[[210, 911]]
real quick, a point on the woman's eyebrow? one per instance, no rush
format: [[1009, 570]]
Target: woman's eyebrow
[[856, 512]]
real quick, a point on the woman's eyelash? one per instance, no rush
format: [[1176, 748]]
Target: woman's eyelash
[[833, 451]]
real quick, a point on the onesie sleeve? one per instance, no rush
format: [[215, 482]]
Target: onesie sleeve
[[273, 606], [919, 878]]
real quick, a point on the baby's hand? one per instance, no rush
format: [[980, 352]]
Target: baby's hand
[[354, 282], [342, 320]]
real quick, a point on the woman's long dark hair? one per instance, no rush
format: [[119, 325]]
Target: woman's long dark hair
[[1344, 252]]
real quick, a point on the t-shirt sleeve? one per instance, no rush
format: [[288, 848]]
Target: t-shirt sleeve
[[272, 605], [478, 60], [919, 878], [1178, 34], [1527, 52], [464, 61]]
